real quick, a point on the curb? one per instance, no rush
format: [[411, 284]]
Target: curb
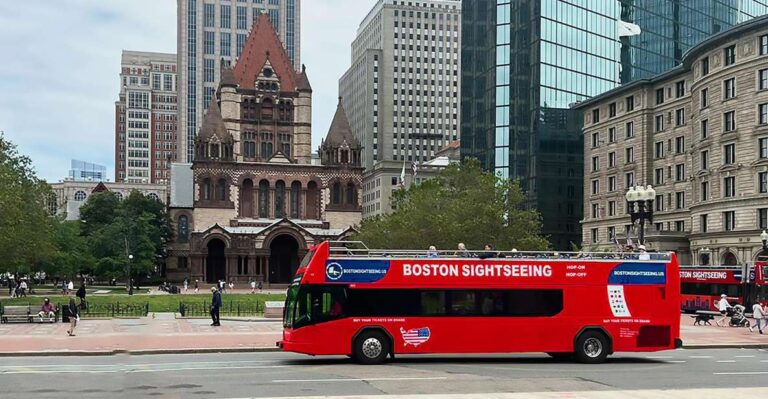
[[727, 346], [139, 352]]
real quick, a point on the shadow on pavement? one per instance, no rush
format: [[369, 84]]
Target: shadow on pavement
[[315, 361]]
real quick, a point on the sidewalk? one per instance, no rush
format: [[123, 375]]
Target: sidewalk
[[166, 334]]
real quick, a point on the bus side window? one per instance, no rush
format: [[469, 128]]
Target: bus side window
[[433, 303]]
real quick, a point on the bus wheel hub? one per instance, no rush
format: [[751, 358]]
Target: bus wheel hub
[[593, 347], [371, 348]]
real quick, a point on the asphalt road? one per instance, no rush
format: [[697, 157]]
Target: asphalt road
[[237, 375]]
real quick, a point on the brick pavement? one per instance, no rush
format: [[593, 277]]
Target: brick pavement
[[164, 333]]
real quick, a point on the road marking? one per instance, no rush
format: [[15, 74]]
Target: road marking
[[743, 373], [700, 357], [745, 356], [365, 379], [676, 361], [659, 357], [726, 361], [764, 361], [204, 368]]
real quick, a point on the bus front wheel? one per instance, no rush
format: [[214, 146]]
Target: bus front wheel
[[592, 347], [371, 347]]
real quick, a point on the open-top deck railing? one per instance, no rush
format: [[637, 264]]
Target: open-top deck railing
[[358, 250]]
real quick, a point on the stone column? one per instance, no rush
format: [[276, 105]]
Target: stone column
[[303, 203]]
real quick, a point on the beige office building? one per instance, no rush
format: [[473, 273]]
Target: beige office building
[[699, 135]]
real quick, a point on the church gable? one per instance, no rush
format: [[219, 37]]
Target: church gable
[[263, 46]]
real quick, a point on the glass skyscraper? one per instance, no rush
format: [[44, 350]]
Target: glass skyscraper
[[526, 61]]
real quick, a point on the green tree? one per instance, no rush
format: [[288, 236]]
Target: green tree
[[25, 224], [72, 255], [138, 226], [462, 204]]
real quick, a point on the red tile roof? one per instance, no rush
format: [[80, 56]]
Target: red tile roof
[[262, 44]]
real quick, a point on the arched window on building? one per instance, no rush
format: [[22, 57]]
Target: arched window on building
[[221, 190], [119, 196], [267, 109], [313, 199], [336, 194], [295, 192], [246, 199], [153, 196], [80, 196], [263, 199], [183, 229], [279, 199], [206, 189], [351, 194]]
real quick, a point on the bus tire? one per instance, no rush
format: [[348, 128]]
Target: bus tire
[[592, 347], [561, 356], [371, 347]]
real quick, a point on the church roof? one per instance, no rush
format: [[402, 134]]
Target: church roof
[[263, 44], [304, 80], [340, 130], [213, 124]]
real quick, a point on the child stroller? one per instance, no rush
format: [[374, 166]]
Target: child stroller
[[737, 317]]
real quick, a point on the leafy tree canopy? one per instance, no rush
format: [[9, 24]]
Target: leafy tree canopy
[[462, 204]]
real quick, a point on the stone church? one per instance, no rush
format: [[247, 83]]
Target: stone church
[[258, 200]]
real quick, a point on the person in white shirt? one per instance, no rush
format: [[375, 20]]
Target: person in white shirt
[[758, 313], [253, 286], [644, 255], [723, 306]]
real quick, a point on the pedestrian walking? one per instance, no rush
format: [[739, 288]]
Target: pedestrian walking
[[74, 316], [758, 313], [11, 287], [197, 286], [81, 294], [232, 285], [723, 306], [70, 286], [253, 286], [261, 286], [63, 287], [215, 306], [186, 285], [23, 288]]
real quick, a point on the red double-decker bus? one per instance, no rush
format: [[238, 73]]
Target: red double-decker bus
[[372, 304], [702, 286]]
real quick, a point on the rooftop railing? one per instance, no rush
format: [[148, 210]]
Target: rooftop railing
[[358, 250]]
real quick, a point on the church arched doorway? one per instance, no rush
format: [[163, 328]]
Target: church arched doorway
[[283, 259], [215, 262]]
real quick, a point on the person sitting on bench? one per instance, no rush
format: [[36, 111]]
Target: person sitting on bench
[[47, 310]]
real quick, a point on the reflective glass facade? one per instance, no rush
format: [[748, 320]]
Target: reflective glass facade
[[526, 61]]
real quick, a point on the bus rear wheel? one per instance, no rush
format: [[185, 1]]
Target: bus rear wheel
[[592, 347], [371, 347]]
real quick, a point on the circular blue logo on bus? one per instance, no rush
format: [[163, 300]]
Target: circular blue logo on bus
[[334, 271]]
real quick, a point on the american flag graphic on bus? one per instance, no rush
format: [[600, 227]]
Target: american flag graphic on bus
[[415, 336]]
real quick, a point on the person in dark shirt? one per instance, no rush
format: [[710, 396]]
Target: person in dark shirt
[[215, 306], [74, 316], [488, 252]]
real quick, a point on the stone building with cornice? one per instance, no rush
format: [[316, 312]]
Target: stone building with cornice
[[699, 135]]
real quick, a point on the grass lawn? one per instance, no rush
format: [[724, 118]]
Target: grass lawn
[[157, 303]]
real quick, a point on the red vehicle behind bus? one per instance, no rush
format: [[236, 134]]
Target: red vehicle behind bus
[[373, 304], [701, 286]]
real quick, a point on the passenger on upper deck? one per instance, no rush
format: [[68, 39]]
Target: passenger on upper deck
[[462, 252], [488, 252], [432, 253]]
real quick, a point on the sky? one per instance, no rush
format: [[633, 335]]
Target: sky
[[60, 65]]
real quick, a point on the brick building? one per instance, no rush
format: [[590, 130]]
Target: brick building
[[257, 202], [145, 117], [699, 135]]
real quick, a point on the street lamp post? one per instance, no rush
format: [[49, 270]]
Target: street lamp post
[[643, 198], [764, 237], [130, 279]]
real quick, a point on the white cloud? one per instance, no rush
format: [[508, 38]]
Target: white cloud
[[61, 61]]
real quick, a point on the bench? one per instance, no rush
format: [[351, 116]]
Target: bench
[[273, 309], [23, 314]]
